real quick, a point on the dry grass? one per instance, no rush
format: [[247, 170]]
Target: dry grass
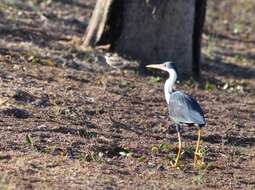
[[69, 122]]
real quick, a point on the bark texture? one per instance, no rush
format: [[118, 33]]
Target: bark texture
[[153, 31], [97, 22]]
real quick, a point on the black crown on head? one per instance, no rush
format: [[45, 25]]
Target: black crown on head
[[170, 65]]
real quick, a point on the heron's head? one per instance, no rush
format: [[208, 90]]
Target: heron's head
[[166, 66]]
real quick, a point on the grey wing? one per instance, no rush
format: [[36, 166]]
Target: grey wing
[[185, 109]]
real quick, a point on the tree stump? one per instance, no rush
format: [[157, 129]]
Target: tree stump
[[152, 31]]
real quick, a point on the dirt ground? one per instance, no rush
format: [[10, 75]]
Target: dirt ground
[[68, 121]]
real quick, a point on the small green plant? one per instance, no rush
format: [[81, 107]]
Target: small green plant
[[165, 147], [81, 157], [236, 153], [199, 179], [48, 62], [91, 157], [188, 151], [86, 134], [239, 58], [156, 79], [204, 151], [90, 58], [154, 149], [29, 140], [35, 59], [126, 85], [191, 83], [50, 149], [142, 159], [209, 86]]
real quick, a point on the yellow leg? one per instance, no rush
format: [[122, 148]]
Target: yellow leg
[[197, 154], [176, 163]]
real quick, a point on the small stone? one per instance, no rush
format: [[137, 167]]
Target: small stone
[[44, 101], [23, 96], [151, 164], [16, 112]]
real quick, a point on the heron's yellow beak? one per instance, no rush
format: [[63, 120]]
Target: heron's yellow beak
[[156, 66]]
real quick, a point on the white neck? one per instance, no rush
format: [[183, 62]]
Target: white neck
[[168, 88]]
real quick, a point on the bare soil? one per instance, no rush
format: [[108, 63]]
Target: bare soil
[[69, 121]]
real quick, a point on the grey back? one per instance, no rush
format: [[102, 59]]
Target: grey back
[[185, 109]]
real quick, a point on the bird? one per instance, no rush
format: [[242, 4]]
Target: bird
[[115, 61], [183, 109]]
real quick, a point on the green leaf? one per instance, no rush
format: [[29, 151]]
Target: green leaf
[[29, 140], [209, 86], [154, 149], [164, 146], [142, 159], [156, 79]]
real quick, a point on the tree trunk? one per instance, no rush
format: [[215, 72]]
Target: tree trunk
[[97, 22], [200, 13], [153, 31]]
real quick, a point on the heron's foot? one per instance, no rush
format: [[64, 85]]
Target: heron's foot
[[200, 164], [175, 164], [197, 156]]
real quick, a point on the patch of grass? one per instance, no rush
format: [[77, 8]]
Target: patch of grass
[[239, 28], [211, 46], [204, 151], [199, 179], [188, 83], [47, 62], [86, 134], [56, 151], [81, 157], [89, 157], [188, 151], [154, 149], [35, 59], [236, 153], [126, 85], [29, 140], [165, 147], [99, 109], [232, 86], [67, 113], [239, 58], [142, 159], [20, 5], [209, 86], [50, 149], [202, 165], [88, 57], [6, 184], [157, 79]]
